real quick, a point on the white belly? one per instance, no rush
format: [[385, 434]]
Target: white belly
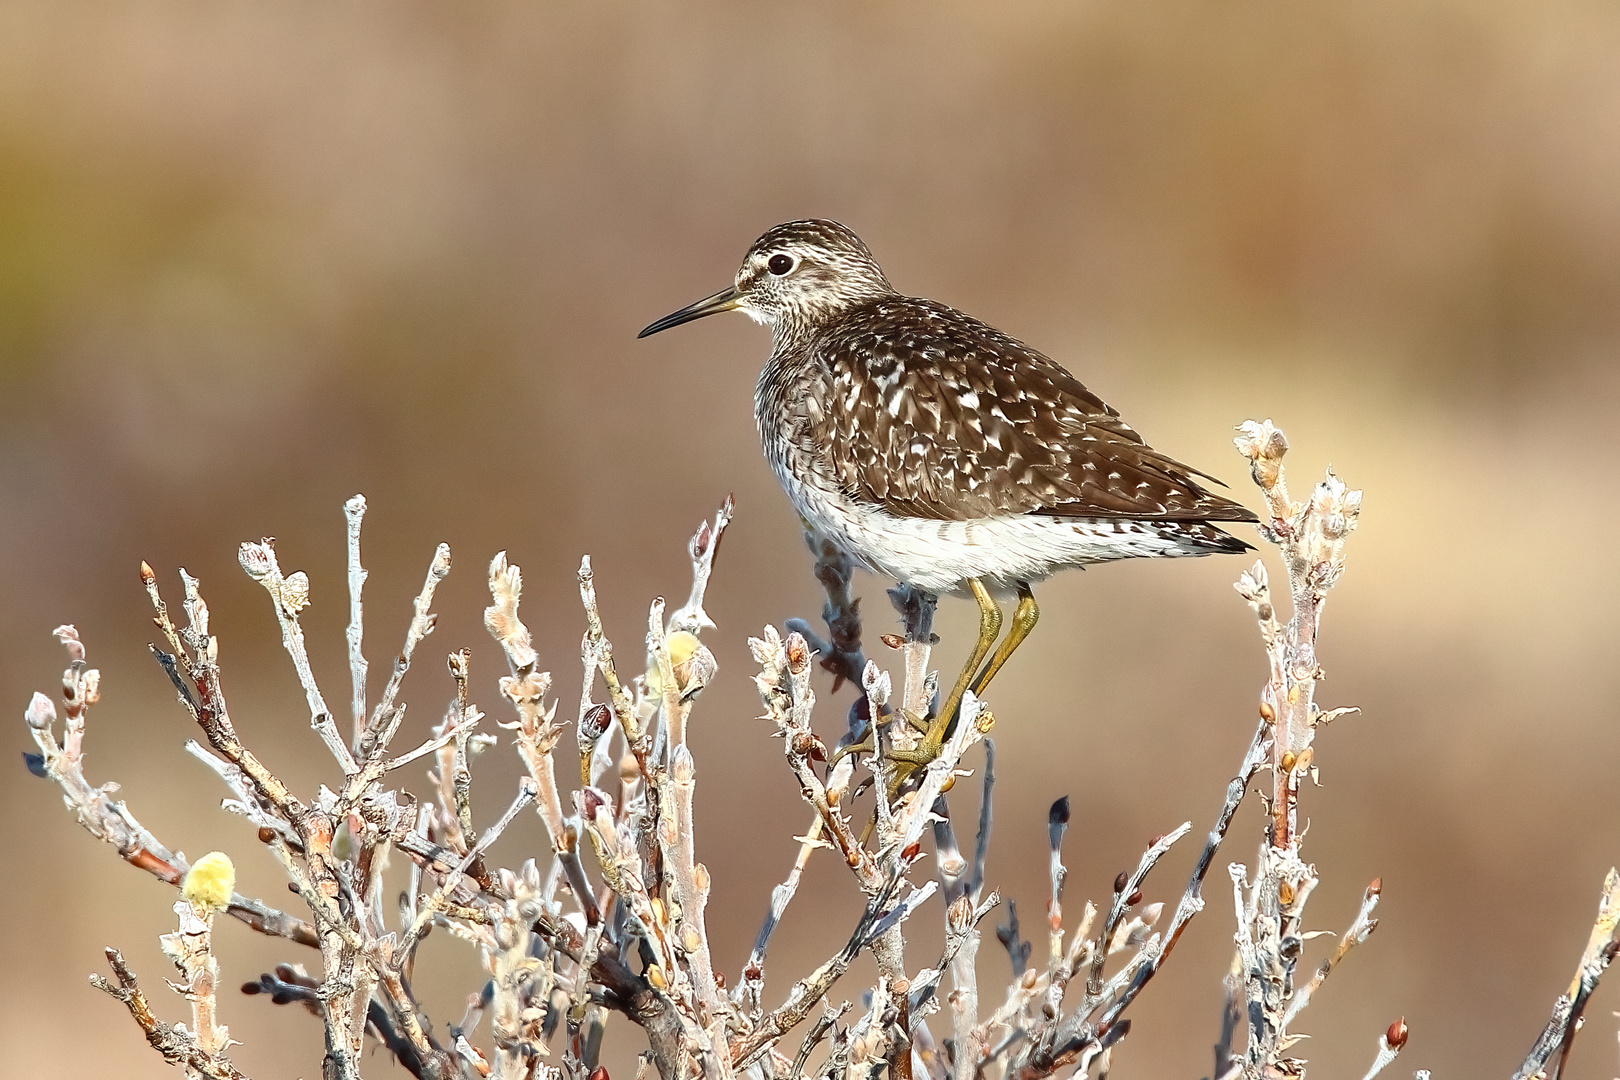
[[939, 556]]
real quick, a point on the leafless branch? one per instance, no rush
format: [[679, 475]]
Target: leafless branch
[[1601, 946]]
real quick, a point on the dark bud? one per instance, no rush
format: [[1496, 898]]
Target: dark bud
[[591, 801], [720, 979], [599, 1073], [1057, 820], [1376, 888], [1396, 1035], [1114, 1032], [35, 764], [252, 988], [1134, 899], [700, 545], [594, 724], [911, 852], [859, 716], [267, 835], [1121, 881]]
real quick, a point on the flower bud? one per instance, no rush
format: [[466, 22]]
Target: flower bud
[[1396, 1035], [210, 882], [693, 663]]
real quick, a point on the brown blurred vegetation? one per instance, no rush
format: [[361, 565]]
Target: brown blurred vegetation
[[255, 258]]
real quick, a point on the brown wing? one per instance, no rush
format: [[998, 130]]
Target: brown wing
[[931, 413]]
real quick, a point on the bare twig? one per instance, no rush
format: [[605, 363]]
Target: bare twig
[[289, 595], [355, 511], [1601, 946], [385, 715], [177, 1046]]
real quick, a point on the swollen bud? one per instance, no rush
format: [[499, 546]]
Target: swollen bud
[[1396, 1035], [40, 712], [210, 882], [798, 653]]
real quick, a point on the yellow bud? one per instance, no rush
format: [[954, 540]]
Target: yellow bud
[[210, 882], [682, 644]]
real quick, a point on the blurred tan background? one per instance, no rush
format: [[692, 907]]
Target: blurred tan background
[[255, 258]]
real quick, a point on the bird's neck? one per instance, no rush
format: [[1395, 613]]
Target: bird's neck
[[796, 324]]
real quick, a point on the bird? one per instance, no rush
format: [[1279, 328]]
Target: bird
[[943, 453]]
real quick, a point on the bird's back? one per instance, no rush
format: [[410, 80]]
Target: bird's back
[[922, 411]]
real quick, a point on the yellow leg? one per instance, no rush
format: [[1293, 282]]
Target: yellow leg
[[944, 721], [989, 628], [1025, 616]]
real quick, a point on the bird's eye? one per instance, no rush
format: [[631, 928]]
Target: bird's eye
[[780, 264]]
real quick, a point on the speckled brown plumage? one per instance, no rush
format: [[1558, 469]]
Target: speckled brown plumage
[[936, 448], [928, 412]]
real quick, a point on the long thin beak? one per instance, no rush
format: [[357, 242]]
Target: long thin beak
[[724, 300]]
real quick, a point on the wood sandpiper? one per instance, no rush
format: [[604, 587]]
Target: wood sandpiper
[[939, 451]]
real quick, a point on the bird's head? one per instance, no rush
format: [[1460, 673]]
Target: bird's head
[[798, 274]]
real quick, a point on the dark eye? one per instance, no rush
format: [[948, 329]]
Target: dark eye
[[780, 264]]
